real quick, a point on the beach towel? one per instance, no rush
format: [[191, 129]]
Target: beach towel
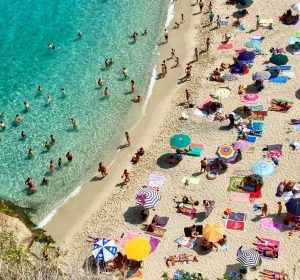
[[234, 182], [153, 243], [225, 46], [205, 103], [239, 217], [156, 180], [200, 113], [296, 127], [241, 172], [264, 113], [225, 247], [235, 225], [186, 241], [286, 101], [293, 40], [256, 37], [160, 221], [158, 232], [289, 74], [272, 154], [197, 119], [229, 77], [196, 150], [187, 211], [256, 125], [256, 108], [239, 197], [224, 22], [278, 79], [129, 236], [251, 139], [247, 61], [256, 117], [282, 67], [190, 180], [241, 27], [267, 223], [263, 247], [274, 147], [134, 274]]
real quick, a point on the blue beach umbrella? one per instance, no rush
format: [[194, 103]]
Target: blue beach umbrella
[[263, 168], [104, 250], [293, 205], [246, 55], [180, 141]]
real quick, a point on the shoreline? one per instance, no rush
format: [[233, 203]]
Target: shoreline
[[92, 195]]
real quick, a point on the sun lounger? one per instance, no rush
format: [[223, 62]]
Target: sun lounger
[[266, 23]]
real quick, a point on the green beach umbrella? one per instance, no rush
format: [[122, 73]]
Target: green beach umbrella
[[180, 141], [279, 59]]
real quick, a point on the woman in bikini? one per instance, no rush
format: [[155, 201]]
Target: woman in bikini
[[265, 243]]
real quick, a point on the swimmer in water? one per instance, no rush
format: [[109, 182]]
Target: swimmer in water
[[47, 146], [52, 166], [2, 114], [30, 153], [135, 37], [26, 106], [23, 135], [74, 123], [132, 86], [2, 125], [50, 46], [52, 138], [18, 119], [137, 99], [60, 163], [63, 91], [30, 184], [106, 92], [145, 32], [45, 181], [106, 63], [80, 34], [125, 73], [69, 156], [100, 82], [40, 89], [49, 100]]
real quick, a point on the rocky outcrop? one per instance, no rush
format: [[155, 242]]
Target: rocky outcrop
[[22, 233]]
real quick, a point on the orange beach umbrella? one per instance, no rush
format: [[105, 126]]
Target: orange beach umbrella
[[213, 232]]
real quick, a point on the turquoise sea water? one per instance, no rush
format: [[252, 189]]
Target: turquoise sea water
[[26, 27]]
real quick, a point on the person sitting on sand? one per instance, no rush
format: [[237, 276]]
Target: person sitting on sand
[[208, 206], [225, 65], [176, 25], [178, 155], [218, 79], [294, 121], [135, 159], [265, 243], [217, 72], [140, 151], [285, 186], [223, 240], [237, 22], [219, 117], [268, 253], [242, 89], [187, 200], [119, 262], [206, 245], [144, 214], [137, 99], [191, 231], [296, 227], [171, 260]]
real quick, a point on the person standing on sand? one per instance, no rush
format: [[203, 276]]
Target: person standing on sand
[[182, 18], [166, 34], [257, 22], [196, 54], [132, 86], [176, 61], [187, 95], [211, 18], [203, 163], [200, 6], [172, 53], [127, 138], [210, 7], [125, 176], [207, 44], [218, 21], [102, 169], [279, 210]]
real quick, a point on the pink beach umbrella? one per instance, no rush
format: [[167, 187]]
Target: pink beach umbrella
[[251, 98], [241, 145]]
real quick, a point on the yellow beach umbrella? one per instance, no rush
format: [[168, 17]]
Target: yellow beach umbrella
[[213, 232], [137, 248]]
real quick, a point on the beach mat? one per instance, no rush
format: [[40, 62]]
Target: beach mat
[[235, 225], [256, 117], [190, 180], [225, 46], [186, 241], [153, 243], [251, 138], [278, 79], [256, 108], [239, 197], [267, 223], [158, 232], [296, 127], [205, 103], [286, 101], [263, 247], [195, 151]]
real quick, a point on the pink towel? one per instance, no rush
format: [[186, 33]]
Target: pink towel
[[239, 197], [225, 46], [129, 236], [207, 101], [267, 223]]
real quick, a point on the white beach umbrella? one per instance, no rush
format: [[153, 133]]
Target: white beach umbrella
[[296, 6]]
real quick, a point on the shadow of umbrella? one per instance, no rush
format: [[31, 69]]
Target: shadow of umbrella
[[132, 215], [163, 163]]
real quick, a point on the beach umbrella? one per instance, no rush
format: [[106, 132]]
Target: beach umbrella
[[104, 249], [251, 98], [213, 232], [180, 141], [296, 6], [263, 168], [221, 93], [246, 55], [147, 197], [242, 145], [137, 248], [279, 59], [248, 257], [226, 153], [293, 205], [261, 76]]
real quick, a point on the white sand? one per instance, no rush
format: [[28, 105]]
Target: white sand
[[109, 221]]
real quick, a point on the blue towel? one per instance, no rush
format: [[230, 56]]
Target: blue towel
[[278, 79], [282, 67], [296, 127], [251, 139], [241, 27]]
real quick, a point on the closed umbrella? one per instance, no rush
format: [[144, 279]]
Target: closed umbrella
[[296, 6], [279, 59], [104, 250], [263, 168], [226, 153], [241, 145], [293, 205], [248, 257], [261, 76], [221, 93], [180, 141], [251, 98], [246, 55], [147, 197], [137, 248], [213, 232]]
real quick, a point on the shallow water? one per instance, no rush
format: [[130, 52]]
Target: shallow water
[[26, 27]]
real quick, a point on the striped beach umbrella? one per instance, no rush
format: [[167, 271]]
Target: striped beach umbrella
[[147, 197], [248, 257], [104, 250], [251, 98], [261, 76], [180, 141], [263, 168], [226, 153]]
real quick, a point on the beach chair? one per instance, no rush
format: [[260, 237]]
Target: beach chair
[[266, 23]]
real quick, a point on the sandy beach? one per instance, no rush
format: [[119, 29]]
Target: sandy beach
[[104, 208]]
